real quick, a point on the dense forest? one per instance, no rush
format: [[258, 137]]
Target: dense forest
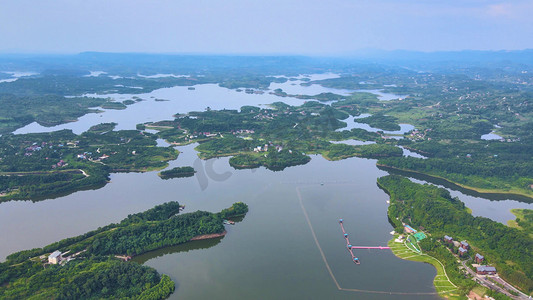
[[381, 121], [177, 172], [91, 269], [433, 208]]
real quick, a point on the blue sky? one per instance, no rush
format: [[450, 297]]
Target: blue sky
[[311, 27]]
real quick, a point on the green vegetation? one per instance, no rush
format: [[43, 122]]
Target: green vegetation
[[487, 166], [44, 165], [49, 110], [452, 106], [113, 105], [381, 121], [444, 286], [272, 160], [523, 221], [236, 210], [341, 151], [103, 127], [91, 269], [451, 112], [434, 209], [276, 138], [177, 172], [87, 278], [326, 97]]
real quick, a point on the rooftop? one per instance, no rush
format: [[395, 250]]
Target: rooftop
[[486, 269], [55, 254]]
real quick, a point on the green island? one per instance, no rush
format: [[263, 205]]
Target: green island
[[95, 265], [177, 172], [381, 121], [432, 208]]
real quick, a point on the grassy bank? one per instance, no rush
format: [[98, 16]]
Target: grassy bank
[[443, 285]]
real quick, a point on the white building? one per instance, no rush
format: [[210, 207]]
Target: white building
[[55, 257]]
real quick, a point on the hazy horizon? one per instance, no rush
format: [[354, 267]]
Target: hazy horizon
[[238, 27]]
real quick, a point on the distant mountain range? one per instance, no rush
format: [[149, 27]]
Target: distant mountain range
[[132, 63]]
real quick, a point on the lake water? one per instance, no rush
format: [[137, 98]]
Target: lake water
[[271, 253], [383, 96], [16, 75], [180, 100], [491, 136], [493, 206], [351, 122], [272, 244]]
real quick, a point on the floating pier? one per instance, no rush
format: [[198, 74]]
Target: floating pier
[[351, 248]]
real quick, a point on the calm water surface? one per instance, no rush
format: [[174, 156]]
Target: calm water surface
[[273, 244], [383, 96], [351, 122], [491, 136], [271, 253]]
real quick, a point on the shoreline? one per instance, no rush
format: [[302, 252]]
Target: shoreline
[[449, 291], [208, 236], [466, 187]]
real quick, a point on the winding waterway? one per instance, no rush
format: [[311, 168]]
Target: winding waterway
[[272, 253]]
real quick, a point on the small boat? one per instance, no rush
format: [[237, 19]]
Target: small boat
[[356, 261]]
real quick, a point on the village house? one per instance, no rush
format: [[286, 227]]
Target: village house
[[479, 258], [485, 270], [465, 245], [55, 257], [462, 251], [448, 239]]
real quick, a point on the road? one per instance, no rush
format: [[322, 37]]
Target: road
[[483, 280]]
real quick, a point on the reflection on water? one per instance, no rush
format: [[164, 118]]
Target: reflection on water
[[493, 206], [186, 247]]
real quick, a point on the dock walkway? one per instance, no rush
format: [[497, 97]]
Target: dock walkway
[[350, 247]]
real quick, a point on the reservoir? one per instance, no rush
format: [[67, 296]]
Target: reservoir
[[271, 253], [273, 243]]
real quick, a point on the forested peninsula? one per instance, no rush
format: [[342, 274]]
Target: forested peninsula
[[95, 264], [432, 208]]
